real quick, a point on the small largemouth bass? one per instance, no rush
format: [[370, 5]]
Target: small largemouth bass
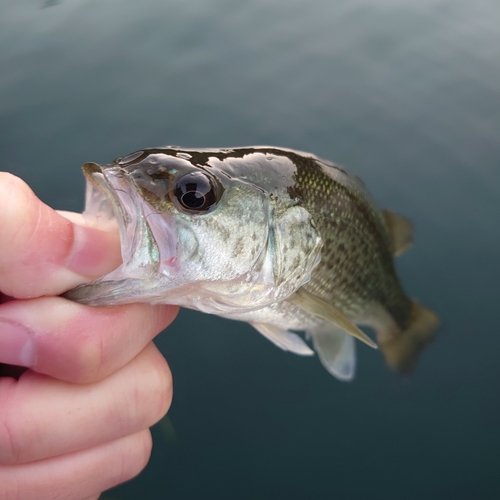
[[279, 238]]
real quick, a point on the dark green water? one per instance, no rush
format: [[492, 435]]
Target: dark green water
[[407, 96]]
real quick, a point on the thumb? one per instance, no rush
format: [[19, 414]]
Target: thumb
[[42, 252]]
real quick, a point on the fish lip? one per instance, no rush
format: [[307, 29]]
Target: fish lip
[[100, 192], [113, 196]]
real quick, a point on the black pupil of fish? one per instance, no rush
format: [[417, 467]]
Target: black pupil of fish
[[195, 192]]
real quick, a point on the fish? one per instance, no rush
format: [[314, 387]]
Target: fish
[[278, 238]]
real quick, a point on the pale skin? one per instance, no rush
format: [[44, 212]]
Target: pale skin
[[76, 423]]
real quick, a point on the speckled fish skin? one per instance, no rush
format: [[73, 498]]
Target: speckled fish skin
[[356, 267], [284, 221]]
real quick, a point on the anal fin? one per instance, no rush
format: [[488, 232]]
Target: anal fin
[[337, 351], [284, 339]]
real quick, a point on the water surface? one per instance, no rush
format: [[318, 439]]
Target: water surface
[[404, 94]]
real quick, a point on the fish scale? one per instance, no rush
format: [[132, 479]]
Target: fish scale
[[356, 265], [275, 237]]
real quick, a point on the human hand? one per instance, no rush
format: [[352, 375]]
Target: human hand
[[76, 422]]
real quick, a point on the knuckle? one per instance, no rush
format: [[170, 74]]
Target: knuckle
[[164, 315], [144, 447], [161, 388], [88, 360], [150, 398], [134, 457]]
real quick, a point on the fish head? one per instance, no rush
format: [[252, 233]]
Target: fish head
[[200, 234]]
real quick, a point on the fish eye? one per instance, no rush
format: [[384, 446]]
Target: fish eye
[[195, 192]]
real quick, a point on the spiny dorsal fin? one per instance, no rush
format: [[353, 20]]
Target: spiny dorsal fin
[[400, 231], [314, 305]]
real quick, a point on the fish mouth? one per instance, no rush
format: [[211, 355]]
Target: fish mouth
[[112, 195], [113, 201]]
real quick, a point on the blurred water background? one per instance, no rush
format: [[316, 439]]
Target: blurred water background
[[406, 94]]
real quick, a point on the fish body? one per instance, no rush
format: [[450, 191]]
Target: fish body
[[279, 238]]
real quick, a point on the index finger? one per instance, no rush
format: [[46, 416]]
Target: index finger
[[44, 253]]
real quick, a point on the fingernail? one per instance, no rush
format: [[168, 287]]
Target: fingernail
[[16, 345]]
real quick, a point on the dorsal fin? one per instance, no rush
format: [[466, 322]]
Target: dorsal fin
[[400, 231], [317, 306]]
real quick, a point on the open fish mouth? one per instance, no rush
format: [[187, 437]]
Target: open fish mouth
[[114, 202], [112, 195]]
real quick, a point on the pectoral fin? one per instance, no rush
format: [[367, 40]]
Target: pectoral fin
[[314, 305], [336, 350], [400, 232], [284, 339]]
